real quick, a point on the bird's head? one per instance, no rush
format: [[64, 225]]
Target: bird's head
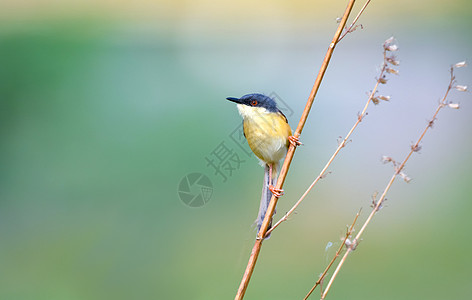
[[254, 103]]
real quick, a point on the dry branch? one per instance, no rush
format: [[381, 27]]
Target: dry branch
[[352, 245], [288, 158], [388, 46]]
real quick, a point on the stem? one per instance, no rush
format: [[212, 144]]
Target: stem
[[341, 145], [338, 252], [377, 206], [355, 20], [288, 158]]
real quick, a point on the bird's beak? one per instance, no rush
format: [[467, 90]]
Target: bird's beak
[[236, 100]]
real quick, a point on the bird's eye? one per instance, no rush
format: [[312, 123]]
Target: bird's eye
[[254, 102]]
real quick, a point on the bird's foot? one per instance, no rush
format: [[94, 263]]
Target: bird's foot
[[295, 141], [277, 192]]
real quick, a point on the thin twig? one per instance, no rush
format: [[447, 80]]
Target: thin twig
[[338, 252], [378, 205], [288, 158], [341, 145], [355, 21]]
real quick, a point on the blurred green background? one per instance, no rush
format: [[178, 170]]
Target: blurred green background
[[105, 107]]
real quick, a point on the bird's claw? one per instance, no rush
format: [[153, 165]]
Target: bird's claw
[[295, 141], [277, 192]]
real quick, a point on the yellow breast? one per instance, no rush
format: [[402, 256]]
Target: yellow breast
[[266, 132]]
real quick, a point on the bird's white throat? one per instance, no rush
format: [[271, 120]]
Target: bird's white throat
[[250, 112]]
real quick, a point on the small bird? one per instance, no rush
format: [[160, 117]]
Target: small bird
[[268, 134]]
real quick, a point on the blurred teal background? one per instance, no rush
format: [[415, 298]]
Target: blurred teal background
[[106, 106]]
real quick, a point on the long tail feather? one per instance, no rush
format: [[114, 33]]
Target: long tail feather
[[266, 195]]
